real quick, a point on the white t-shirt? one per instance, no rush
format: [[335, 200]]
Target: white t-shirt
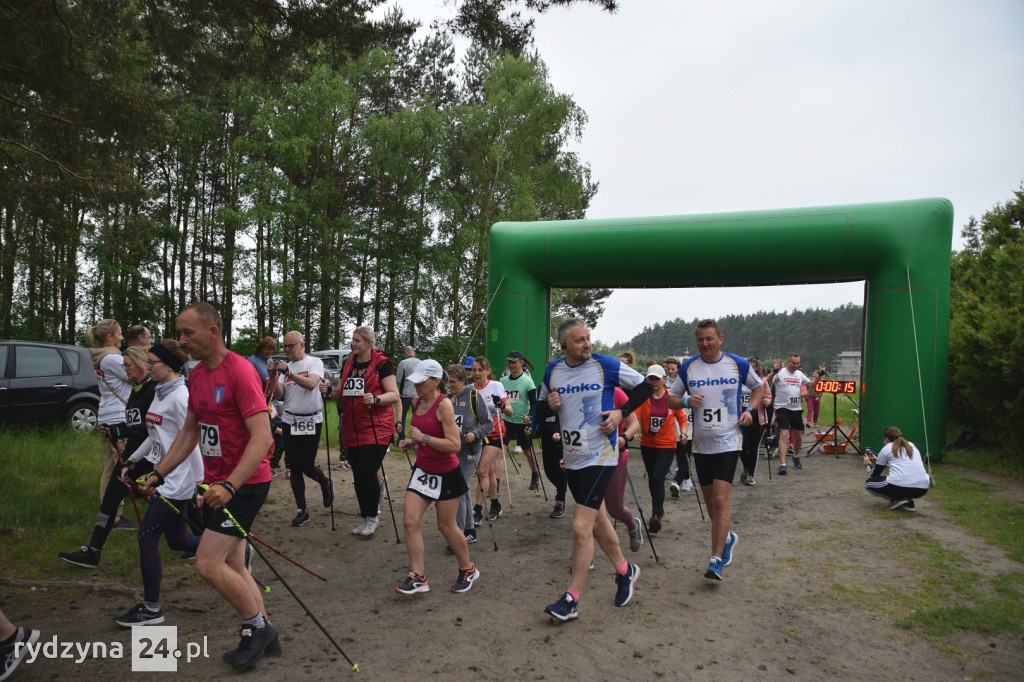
[[493, 388], [300, 404], [113, 380], [716, 422], [904, 471], [164, 420], [587, 390], [787, 389]]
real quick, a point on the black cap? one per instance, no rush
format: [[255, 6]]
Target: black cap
[[516, 355]]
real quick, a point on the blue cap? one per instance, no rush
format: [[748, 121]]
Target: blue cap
[[468, 362]]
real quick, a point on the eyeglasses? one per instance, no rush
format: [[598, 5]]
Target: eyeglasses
[[291, 345], [150, 363]]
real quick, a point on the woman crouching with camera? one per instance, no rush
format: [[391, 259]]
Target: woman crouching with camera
[[436, 477], [907, 479]]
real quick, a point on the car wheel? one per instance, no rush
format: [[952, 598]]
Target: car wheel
[[82, 417]]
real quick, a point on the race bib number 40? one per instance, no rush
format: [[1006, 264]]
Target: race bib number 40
[[428, 485], [209, 440], [353, 387]]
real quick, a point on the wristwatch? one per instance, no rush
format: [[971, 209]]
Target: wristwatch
[[426, 438]]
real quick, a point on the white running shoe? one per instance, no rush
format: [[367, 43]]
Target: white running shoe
[[687, 485], [372, 524], [358, 530]]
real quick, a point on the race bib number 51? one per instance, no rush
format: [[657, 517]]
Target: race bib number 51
[[209, 440], [428, 485], [712, 418]]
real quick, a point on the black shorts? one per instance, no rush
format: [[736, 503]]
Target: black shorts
[[717, 467], [789, 419], [589, 484], [450, 485], [243, 506], [518, 431]]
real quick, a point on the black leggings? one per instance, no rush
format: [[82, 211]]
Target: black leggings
[[751, 439], [365, 460], [682, 461], [657, 461], [551, 453], [112, 498], [301, 458]]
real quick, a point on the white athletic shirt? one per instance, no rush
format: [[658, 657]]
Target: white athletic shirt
[[164, 420], [113, 380], [904, 471], [716, 422], [587, 390], [493, 388], [300, 401], [787, 389]]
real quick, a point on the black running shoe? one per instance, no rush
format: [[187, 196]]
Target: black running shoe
[[124, 524], [470, 537], [328, 491], [535, 481], [558, 512], [273, 649], [11, 655], [301, 518], [253, 645], [495, 512], [86, 557], [140, 615], [478, 513]]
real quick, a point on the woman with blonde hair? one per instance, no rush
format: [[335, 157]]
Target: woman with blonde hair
[[907, 479], [131, 430], [367, 392], [104, 339]]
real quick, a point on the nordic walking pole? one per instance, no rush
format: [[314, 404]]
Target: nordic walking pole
[[252, 536], [131, 490], [483, 495], [327, 436], [387, 491], [643, 517], [501, 439], [288, 587]]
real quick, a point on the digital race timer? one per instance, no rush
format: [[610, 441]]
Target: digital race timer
[[833, 386]]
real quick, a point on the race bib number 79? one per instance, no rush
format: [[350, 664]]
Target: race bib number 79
[[209, 440]]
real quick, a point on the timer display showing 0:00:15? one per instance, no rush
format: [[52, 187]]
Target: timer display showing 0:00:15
[[832, 386]]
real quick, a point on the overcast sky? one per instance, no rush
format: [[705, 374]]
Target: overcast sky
[[704, 107]]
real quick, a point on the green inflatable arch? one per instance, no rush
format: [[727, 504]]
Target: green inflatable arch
[[901, 249]]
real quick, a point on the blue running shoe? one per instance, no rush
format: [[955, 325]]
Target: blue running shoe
[[730, 542], [714, 571], [564, 609], [624, 591]]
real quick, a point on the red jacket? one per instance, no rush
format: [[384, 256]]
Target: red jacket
[[363, 424]]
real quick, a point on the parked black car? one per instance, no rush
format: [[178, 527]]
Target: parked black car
[[47, 383]]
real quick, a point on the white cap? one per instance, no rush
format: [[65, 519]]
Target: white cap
[[656, 371], [425, 370]]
